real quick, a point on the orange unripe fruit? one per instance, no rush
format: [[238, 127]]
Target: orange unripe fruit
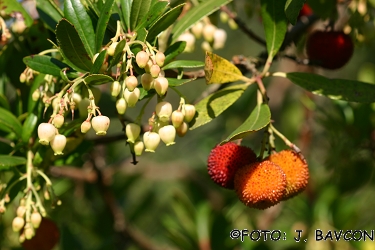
[[260, 184], [296, 170], [225, 160]]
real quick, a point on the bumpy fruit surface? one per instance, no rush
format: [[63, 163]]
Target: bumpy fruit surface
[[46, 237], [46, 133], [329, 49], [260, 184], [296, 170], [225, 160]]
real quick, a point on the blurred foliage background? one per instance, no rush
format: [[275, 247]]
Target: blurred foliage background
[[167, 200]]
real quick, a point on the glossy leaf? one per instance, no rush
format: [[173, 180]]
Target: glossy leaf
[[45, 64], [220, 70], [183, 64], [275, 24], [76, 13], [72, 47], [173, 82], [98, 62], [8, 161], [98, 79], [125, 7], [146, 94], [205, 8], [215, 104], [9, 123], [49, 13], [29, 127], [342, 89], [139, 9], [156, 10], [174, 50], [164, 22], [11, 6], [259, 118], [104, 17], [292, 9]]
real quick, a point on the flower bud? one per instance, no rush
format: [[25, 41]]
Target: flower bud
[[111, 48], [232, 24], [161, 85], [94, 57], [147, 81], [132, 97], [100, 124], [21, 210], [182, 130], [167, 134], [206, 46], [224, 17], [163, 110], [23, 77], [77, 98], [197, 30], [36, 219], [154, 70], [17, 224], [220, 36], [29, 231], [142, 58], [46, 133], [115, 88], [58, 144], [131, 82], [121, 106], [208, 32], [85, 126], [160, 58], [58, 121], [148, 66], [132, 131], [189, 112], [139, 146], [190, 41], [36, 95], [177, 118], [151, 141]]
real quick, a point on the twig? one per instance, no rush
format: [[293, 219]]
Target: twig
[[243, 26]]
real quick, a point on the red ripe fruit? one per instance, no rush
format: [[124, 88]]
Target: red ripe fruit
[[46, 236], [224, 161], [305, 11], [329, 49]]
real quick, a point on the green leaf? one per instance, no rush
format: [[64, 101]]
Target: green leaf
[[125, 7], [275, 24], [72, 47], [174, 50], [98, 62], [104, 17], [205, 8], [164, 22], [11, 6], [45, 64], [220, 70], [8, 161], [4, 102], [183, 64], [173, 82], [341, 89], [292, 9], [29, 127], [9, 123], [98, 79], [140, 8], [215, 104], [49, 13], [146, 94], [151, 16], [258, 119], [76, 13]]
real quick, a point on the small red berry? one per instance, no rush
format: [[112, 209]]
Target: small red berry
[[46, 236], [305, 11], [225, 160], [329, 49]]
